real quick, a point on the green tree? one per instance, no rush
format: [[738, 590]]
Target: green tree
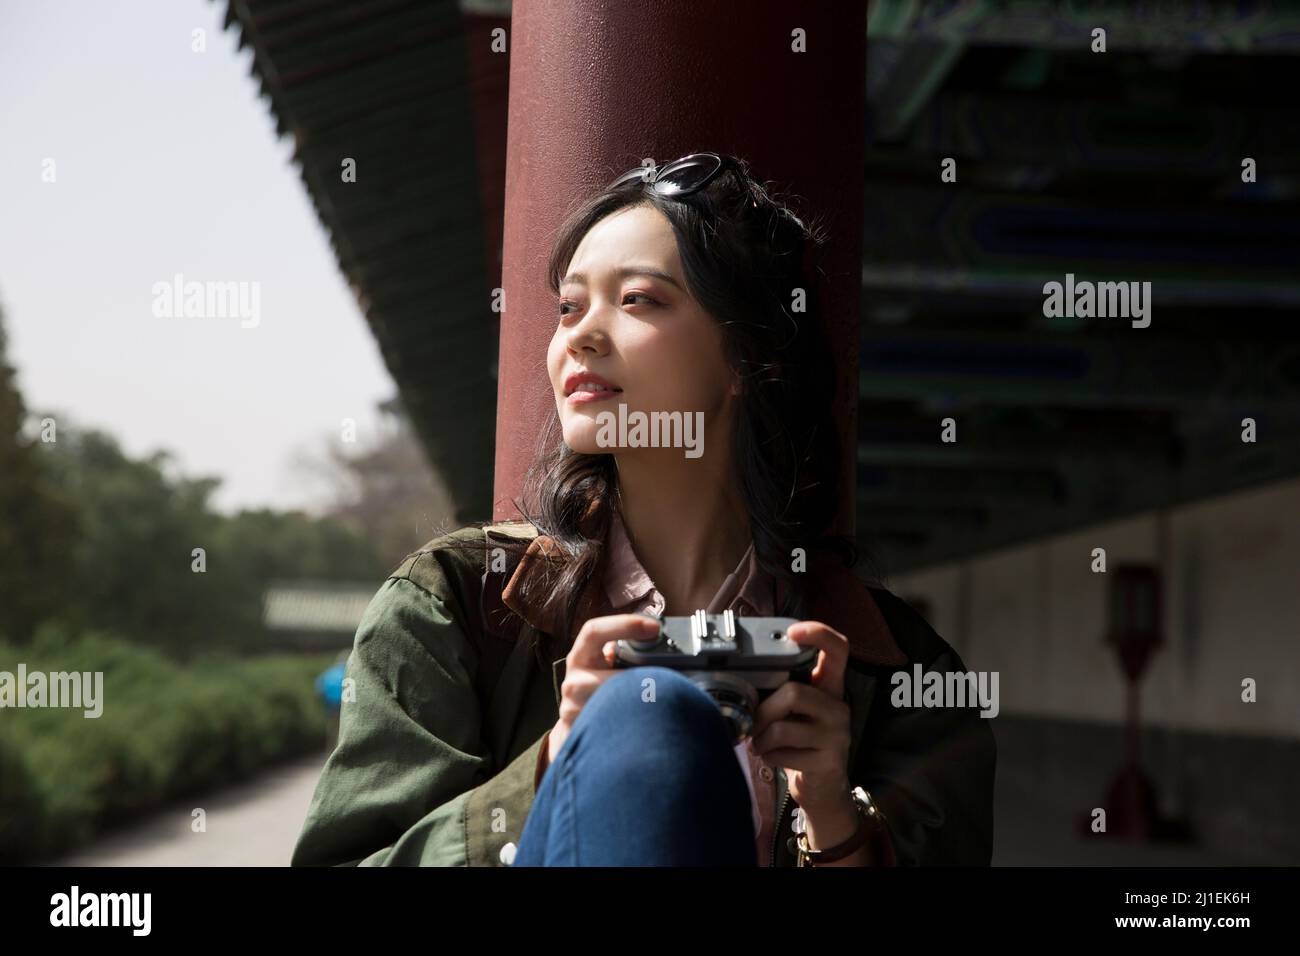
[[36, 522], [132, 567], [272, 545]]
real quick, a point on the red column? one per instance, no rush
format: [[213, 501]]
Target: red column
[[596, 85]]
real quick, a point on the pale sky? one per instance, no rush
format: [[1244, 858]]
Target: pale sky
[[166, 161]]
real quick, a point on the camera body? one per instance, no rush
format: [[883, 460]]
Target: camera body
[[737, 661]]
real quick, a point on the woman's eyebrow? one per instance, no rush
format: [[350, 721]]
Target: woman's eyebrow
[[580, 278]]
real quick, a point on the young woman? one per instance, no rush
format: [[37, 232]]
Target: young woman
[[483, 720]]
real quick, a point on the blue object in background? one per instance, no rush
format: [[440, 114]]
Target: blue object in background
[[330, 687]]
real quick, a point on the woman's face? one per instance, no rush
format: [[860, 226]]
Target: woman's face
[[625, 316]]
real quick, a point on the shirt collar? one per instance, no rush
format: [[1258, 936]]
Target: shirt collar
[[746, 590], [627, 583]]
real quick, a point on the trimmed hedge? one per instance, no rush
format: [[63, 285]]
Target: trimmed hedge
[[166, 731]]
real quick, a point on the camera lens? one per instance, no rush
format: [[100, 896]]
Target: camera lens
[[736, 699]]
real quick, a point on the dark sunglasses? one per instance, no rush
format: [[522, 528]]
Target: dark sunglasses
[[681, 177]]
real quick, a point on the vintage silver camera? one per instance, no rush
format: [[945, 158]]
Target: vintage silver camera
[[738, 661]]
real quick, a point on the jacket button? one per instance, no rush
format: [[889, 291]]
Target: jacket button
[[508, 854], [766, 773]]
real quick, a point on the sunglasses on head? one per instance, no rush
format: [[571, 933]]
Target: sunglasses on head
[[681, 177]]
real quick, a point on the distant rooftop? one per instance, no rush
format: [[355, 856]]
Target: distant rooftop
[[316, 606]]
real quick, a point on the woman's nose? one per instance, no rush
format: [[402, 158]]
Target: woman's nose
[[589, 334]]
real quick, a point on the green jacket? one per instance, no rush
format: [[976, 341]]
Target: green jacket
[[442, 726]]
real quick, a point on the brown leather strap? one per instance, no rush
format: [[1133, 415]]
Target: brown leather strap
[[870, 823], [839, 852]]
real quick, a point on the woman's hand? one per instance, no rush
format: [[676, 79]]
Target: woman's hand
[[589, 663], [805, 729]]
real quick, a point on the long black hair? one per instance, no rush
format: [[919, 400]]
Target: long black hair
[[749, 261]]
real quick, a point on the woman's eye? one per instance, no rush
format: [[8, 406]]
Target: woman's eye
[[566, 305]]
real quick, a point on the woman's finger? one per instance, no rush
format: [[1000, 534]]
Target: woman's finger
[[577, 689], [801, 735], [828, 675], [798, 701], [588, 646], [584, 683]]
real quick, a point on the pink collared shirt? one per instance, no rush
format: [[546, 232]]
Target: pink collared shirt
[[748, 591]]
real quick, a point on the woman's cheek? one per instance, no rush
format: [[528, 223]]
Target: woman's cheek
[[554, 362]]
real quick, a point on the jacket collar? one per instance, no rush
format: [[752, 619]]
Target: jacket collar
[[839, 599]]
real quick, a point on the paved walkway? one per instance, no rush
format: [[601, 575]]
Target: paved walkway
[[255, 823]]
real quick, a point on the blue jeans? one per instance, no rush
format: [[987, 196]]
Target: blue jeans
[[643, 783]]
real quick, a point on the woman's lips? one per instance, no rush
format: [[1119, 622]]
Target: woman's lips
[[583, 398]]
